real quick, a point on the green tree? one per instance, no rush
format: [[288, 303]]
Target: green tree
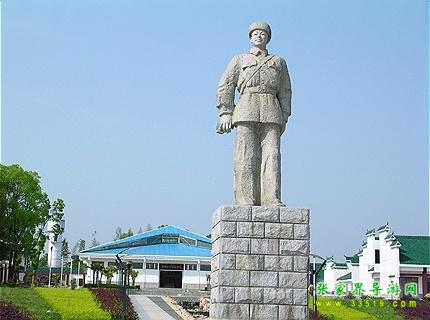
[[97, 268], [109, 272], [121, 235], [44, 260], [24, 212], [133, 274], [94, 242], [78, 247], [65, 249]]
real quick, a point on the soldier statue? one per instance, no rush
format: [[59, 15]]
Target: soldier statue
[[260, 118]]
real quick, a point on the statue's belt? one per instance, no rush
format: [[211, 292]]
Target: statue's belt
[[259, 89]]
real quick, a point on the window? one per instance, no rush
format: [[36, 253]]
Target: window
[[187, 240], [190, 267], [153, 240], [205, 267], [170, 266], [203, 244], [152, 266], [137, 265], [170, 238], [377, 259], [111, 264], [140, 242]]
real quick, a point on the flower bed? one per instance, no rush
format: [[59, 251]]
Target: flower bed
[[12, 312], [28, 299], [421, 311], [112, 300], [73, 304]]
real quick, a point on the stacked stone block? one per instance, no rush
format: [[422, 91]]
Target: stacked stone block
[[260, 261]]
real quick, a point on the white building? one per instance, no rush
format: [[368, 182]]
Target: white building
[[54, 244], [384, 258], [346, 272], [167, 257]]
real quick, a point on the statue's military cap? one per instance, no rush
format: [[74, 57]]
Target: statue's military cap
[[260, 25]]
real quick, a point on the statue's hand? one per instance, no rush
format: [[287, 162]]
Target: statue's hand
[[284, 125], [225, 124]]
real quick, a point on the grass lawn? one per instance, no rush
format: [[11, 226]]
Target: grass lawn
[[379, 309], [30, 300], [337, 309], [73, 304], [376, 309]]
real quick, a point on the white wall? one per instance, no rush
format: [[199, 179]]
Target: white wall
[[331, 274], [55, 245], [390, 264], [150, 278]]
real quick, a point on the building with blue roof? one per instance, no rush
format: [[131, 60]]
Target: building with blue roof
[[167, 257]]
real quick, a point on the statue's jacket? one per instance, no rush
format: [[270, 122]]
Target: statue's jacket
[[265, 97]]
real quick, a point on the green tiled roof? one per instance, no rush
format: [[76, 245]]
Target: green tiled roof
[[370, 231], [382, 227], [320, 275], [83, 269], [345, 277], [353, 259], [414, 249], [338, 265], [395, 243], [389, 236]]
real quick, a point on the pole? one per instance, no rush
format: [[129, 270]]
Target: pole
[[198, 265], [61, 272], [50, 268], [79, 266], [7, 272], [70, 275], [314, 288], [144, 272]]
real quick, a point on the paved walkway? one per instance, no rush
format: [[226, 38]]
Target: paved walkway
[[152, 308]]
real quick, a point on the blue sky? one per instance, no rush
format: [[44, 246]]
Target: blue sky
[[113, 104]]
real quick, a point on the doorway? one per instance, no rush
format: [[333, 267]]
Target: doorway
[[170, 279]]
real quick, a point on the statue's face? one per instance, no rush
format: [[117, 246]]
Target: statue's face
[[259, 38]]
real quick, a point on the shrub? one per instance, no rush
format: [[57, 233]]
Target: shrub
[[112, 300], [421, 311], [107, 285], [73, 304], [73, 284], [11, 312], [318, 316], [28, 299], [350, 296]]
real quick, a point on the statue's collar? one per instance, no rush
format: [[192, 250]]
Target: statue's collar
[[258, 52]]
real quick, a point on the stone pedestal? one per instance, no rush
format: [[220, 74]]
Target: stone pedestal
[[260, 262]]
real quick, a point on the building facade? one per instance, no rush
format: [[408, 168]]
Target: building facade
[[386, 259], [167, 257]]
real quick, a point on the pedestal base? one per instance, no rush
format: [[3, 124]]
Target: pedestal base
[[260, 262]]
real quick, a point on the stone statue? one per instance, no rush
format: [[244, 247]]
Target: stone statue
[[260, 118]]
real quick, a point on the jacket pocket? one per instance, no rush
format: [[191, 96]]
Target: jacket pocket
[[247, 65]]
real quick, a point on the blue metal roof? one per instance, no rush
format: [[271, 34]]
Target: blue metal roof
[[132, 246], [162, 249]]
